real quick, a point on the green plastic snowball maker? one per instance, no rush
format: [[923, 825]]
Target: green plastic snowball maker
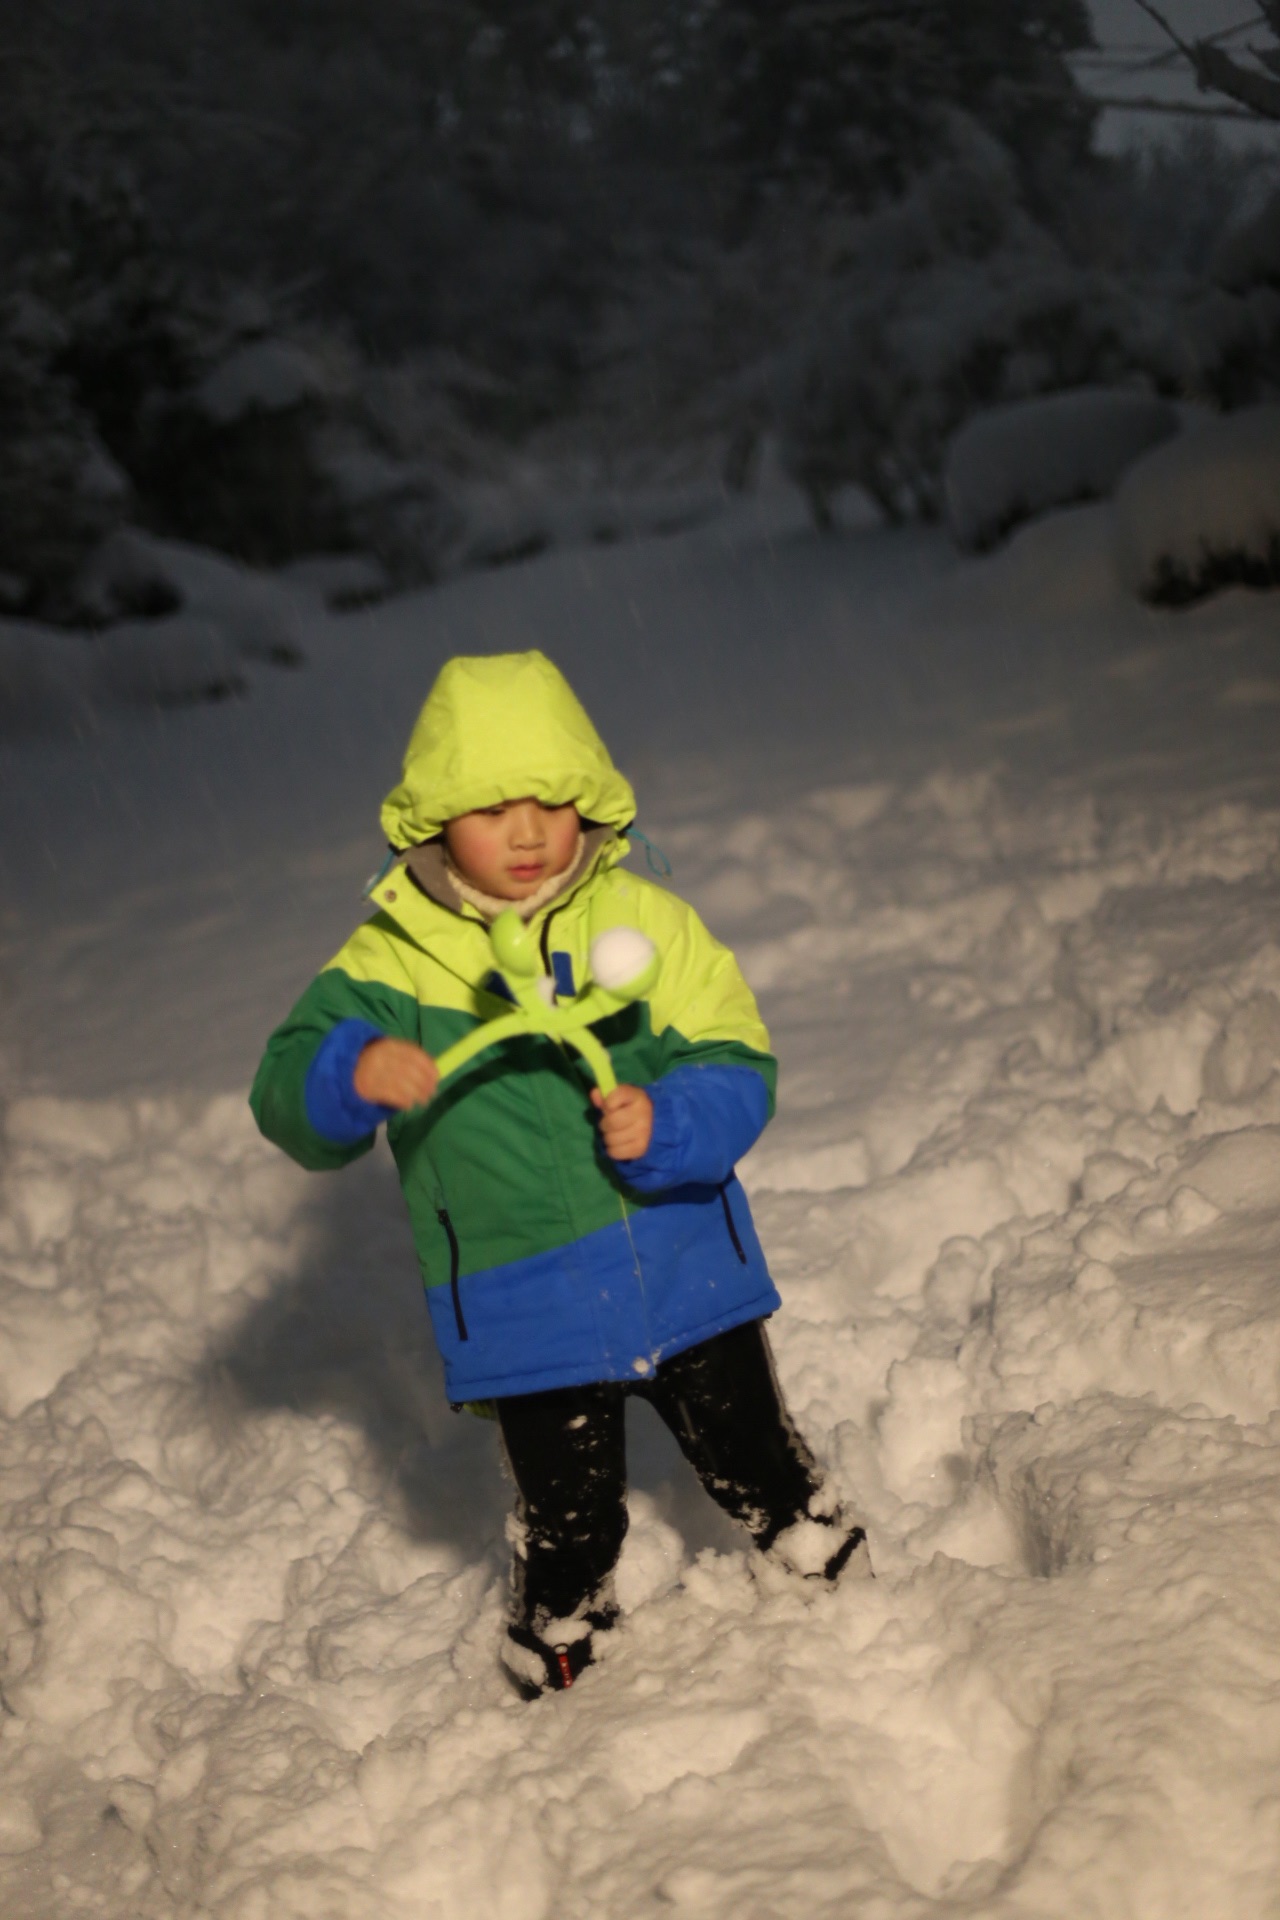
[[624, 965]]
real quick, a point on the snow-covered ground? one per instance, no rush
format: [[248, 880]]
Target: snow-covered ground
[[1000, 850]]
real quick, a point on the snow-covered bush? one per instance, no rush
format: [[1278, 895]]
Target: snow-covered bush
[[60, 491], [958, 298], [402, 511], [1017, 460], [1248, 254], [129, 390], [951, 300], [260, 376], [233, 458], [137, 579], [167, 624], [1203, 510]]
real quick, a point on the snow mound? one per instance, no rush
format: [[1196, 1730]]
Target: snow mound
[[342, 580], [1015, 461], [134, 573], [1204, 511], [506, 524], [166, 662], [170, 623], [1062, 567]]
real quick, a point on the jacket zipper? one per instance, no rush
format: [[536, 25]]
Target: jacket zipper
[[738, 1247], [442, 1215], [544, 942]]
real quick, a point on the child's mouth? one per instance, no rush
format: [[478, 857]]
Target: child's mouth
[[526, 873]]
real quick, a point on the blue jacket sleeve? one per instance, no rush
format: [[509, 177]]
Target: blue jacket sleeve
[[334, 1108], [704, 1120]]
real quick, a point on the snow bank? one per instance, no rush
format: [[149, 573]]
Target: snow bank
[[521, 519], [1013, 462], [342, 580], [1204, 512], [54, 682], [167, 661], [1059, 568], [172, 624], [256, 616]]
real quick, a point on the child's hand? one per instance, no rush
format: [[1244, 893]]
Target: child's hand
[[395, 1073], [626, 1121]]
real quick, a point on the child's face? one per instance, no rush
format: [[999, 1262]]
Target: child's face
[[510, 850]]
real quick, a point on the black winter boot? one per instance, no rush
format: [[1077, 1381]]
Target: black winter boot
[[550, 1659], [820, 1547]]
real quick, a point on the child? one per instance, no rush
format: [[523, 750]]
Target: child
[[575, 1248]]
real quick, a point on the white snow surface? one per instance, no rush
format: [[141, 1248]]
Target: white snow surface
[[1000, 850], [1202, 504], [1015, 461]]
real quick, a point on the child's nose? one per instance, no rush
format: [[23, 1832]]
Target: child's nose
[[527, 826]]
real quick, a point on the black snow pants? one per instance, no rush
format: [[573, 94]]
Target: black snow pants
[[567, 1453]]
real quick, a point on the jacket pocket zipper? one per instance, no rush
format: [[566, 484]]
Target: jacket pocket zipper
[[442, 1215], [738, 1247]]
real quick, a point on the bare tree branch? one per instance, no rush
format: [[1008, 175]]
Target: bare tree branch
[[1139, 58], [1154, 13], [1217, 72]]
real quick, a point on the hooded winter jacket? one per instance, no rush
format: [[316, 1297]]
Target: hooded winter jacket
[[546, 1263]]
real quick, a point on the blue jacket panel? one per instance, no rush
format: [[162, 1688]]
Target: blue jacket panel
[[704, 1120], [610, 1306], [334, 1108]]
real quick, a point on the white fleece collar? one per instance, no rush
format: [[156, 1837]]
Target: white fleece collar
[[490, 905]]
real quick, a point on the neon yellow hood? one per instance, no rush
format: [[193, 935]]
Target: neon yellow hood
[[497, 727]]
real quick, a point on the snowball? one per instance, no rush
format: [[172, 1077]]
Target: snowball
[[1204, 511], [620, 956], [1016, 461]]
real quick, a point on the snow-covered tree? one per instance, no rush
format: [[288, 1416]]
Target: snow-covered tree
[[856, 93]]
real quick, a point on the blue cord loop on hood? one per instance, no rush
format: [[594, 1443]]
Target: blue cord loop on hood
[[664, 870], [382, 872]]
